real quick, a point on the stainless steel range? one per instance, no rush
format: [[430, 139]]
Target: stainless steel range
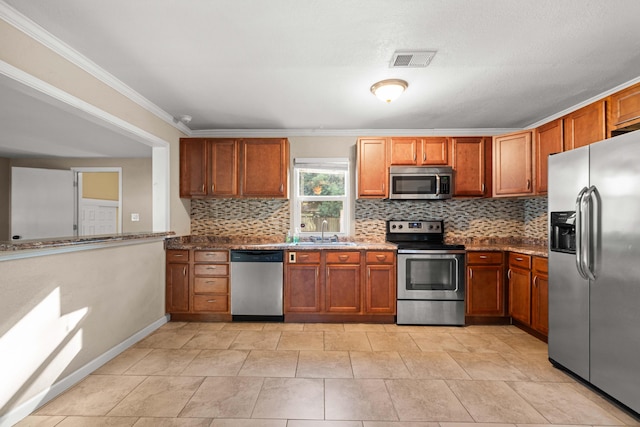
[[431, 274]]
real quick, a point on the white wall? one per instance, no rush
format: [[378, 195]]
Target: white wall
[[60, 312], [5, 198]]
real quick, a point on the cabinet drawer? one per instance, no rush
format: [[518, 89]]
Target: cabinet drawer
[[306, 257], [484, 257], [218, 303], [376, 257], [540, 265], [211, 256], [211, 285], [343, 257], [520, 260], [177, 255], [211, 269]]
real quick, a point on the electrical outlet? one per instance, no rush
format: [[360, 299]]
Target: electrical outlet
[[135, 217]]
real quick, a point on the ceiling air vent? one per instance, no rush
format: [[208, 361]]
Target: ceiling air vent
[[411, 58]]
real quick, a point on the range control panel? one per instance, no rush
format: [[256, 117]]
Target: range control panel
[[418, 227]]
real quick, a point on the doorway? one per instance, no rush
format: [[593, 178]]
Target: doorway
[[98, 201]]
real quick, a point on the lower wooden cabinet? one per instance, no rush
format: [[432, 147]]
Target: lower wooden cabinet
[[327, 286], [529, 291], [485, 284], [197, 284]]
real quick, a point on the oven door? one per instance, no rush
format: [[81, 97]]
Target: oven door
[[431, 275]]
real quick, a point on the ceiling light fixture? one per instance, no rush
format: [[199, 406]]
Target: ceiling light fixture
[[389, 90], [186, 119]]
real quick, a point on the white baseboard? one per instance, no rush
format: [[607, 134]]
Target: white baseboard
[[26, 408]]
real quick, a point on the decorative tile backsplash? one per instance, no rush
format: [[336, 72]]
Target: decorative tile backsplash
[[464, 219]]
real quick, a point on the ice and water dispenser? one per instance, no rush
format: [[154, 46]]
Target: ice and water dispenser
[[563, 232]]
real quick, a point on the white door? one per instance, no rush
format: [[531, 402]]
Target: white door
[[42, 203]]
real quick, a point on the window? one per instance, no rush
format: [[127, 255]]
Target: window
[[321, 193]]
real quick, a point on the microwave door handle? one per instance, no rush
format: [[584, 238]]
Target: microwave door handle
[[437, 185]]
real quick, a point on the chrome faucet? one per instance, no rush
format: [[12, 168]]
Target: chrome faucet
[[323, 227]]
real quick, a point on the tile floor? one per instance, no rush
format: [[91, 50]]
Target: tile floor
[[330, 375]]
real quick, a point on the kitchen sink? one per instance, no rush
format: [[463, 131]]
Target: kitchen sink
[[324, 244]]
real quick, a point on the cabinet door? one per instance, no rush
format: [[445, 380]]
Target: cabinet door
[[403, 151], [302, 292], [540, 304], [177, 292], [193, 167], [512, 165], [435, 151], [485, 290], [343, 288], [373, 171], [520, 295], [625, 107], [380, 289], [223, 163], [264, 164], [585, 126], [549, 140], [469, 162]]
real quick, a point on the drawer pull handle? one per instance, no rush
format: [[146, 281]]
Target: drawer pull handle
[[211, 268], [210, 281], [211, 300], [178, 255], [343, 257], [519, 259], [483, 257], [381, 257], [304, 256]]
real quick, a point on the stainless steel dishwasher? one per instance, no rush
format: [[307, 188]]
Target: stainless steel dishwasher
[[257, 285]]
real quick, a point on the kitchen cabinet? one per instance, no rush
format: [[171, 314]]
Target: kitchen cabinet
[[197, 285], [303, 285], [342, 286], [223, 167], [519, 276], [540, 296], [471, 161], [211, 282], [177, 281], [327, 286], [380, 282], [418, 151], [624, 109], [513, 165], [264, 166], [485, 284], [585, 126], [373, 169], [549, 139]]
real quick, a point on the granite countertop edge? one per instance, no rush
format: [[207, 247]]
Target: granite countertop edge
[[62, 242]]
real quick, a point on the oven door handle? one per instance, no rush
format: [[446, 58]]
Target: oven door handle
[[457, 275]]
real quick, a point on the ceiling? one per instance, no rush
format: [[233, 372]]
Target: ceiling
[[307, 65]]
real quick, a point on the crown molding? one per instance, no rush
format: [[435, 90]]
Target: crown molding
[[42, 36], [40, 89], [215, 133], [584, 103]]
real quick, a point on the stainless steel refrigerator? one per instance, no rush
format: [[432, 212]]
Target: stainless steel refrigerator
[[594, 265]]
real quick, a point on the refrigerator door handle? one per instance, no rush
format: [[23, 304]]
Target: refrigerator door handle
[[579, 233], [593, 253]]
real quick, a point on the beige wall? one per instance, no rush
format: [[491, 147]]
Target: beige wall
[[5, 197], [136, 185], [101, 185], [60, 312], [25, 53]]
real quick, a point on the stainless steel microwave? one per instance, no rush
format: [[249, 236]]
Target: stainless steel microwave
[[420, 182]]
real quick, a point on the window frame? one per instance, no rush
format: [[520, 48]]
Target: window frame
[[328, 164]]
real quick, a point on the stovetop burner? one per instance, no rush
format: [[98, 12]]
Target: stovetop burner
[[418, 235]]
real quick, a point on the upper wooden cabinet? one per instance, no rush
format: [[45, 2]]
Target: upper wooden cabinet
[[549, 139], [373, 170], [471, 161], [624, 109], [585, 126], [218, 167], [264, 165], [513, 165], [419, 151]]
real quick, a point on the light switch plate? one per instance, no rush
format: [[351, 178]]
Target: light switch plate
[[135, 217]]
